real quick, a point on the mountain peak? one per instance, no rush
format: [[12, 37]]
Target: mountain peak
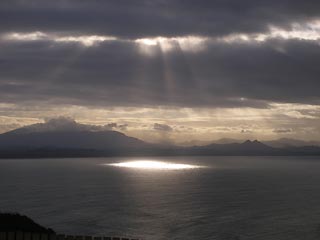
[[64, 133], [51, 125], [62, 124], [254, 144]]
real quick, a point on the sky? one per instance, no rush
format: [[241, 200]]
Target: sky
[[164, 70]]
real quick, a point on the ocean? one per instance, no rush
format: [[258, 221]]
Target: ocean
[[260, 198]]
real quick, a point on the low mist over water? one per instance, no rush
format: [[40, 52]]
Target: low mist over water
[[226, 198]]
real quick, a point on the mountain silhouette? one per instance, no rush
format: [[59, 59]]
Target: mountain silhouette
[[289, 142], [70, 139], [66, 138], [246, 148]]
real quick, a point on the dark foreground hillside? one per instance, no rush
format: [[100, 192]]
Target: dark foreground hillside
[[14, 226], [13, 222]]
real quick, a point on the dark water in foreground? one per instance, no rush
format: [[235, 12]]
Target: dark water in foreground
[[247, 197]]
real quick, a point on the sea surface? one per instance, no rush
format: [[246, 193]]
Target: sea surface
[[260, 198]]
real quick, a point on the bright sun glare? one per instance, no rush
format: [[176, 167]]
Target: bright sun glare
[[145, 164]]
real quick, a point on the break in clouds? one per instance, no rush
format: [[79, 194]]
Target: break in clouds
[[117, 73], [174, 53]]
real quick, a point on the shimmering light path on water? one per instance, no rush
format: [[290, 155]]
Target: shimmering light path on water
[[159, 165]]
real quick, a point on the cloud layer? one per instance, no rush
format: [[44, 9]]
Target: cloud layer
[[177, 53], [116, 73], [144, 18], [204, 55]]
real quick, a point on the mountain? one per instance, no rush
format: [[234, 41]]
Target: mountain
[[61, 137], [66, 138], [288, 142], [246, 148], [192, 143], [70, 140], [60, 124]]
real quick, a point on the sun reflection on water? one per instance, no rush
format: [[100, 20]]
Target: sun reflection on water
[[147, 164]]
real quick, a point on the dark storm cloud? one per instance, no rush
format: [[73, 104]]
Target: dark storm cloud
[[162, 127], [145, 18], [289, 130], [117, 73]]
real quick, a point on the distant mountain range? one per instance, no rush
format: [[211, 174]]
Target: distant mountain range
[[279, 143], [287, 142], [66, 138]]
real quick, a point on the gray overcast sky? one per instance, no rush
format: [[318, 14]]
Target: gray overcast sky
[[209, 62]]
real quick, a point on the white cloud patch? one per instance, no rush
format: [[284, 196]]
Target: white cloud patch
[[309, 31], [85, 40]]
